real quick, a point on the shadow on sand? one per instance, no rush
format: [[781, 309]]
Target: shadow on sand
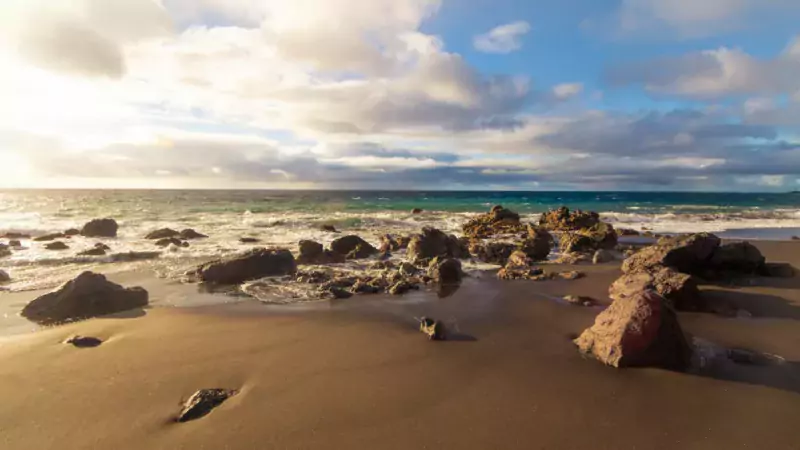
[[728, 302]]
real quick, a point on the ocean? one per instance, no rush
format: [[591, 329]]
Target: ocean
[[282, 218]]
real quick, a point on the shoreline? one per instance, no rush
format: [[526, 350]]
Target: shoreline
[[359, 373]]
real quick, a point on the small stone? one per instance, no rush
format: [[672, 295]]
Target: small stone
[[249, 240], [48, 237], [189, 234], [202, 402], [416, 211], [400, 288], [57, 245], [328, 228], [571, 275], [339, 293], [580, 301], [83, 341], [434, 329]]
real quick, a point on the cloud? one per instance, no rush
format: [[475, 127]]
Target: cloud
[[502, 39], [567, 90], [691, 19], [714, 74]]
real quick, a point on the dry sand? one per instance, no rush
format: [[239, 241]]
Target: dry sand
[[358, 375]]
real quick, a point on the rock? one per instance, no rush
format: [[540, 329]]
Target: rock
[[99, 249], [520, 273], [100, 228], [72, 232], [576, 243], [88, 295], [627, 232], [562, 219], [13, 235], [493, 252], [639, 330], [538, 244], [312, 252], [401, 287], [49, 237], [740, 257], [600, 236], [83, 341], [57, 245], [688, 254], [353, 247], [202, 402], [189, 234], [778, 270], [416, 211], [570, 275], [251, 265], [679, 289], [432, 243], [249, 240], [434, 329], [603, 234], [166, 242], [603, 256], [796, 238], [14, 243], [365, 287], [498, 221], [571, 258], [328, 228], [134, 256], [407, 269], [390, 243], [445, 270], [163, 233], [4, 251], [4, 276], [338, 293], [580, 301]]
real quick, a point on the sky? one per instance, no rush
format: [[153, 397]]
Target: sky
[[666, 95]]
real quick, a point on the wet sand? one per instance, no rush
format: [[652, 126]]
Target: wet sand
[[357, 374]]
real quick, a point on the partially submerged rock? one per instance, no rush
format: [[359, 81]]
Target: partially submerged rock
[[57, 245], [445, 270], [99, 249], [519, 267], [638, 330], [391, 243], [166, 242], [4, 276], [329, 228], [497, 221], [88, 295], [100, 228], [49, 237], [72, 232], [312, 252], [163, 233], [190, 234], [434, 329], [538, 243], [603, 256], [202, 402], [580, 300], [249, 240], [416, 211], [353, 247], [401, 287], [251, 265], [570, 275], [83, 341], [562, 219], [432, 243]]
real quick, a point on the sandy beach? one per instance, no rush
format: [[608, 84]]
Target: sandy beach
[[357, 373]]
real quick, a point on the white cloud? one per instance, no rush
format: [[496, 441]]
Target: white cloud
[[502, 39], [567, 90], [692, 18]]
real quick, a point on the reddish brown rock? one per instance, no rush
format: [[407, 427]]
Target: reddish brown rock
[[432, 243], [251, 265], [562, 219], [496, 222], [679, 289], [637, 330], [354, 246]]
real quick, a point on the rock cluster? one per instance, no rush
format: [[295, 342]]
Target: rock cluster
[[562, 219], [498, 221]]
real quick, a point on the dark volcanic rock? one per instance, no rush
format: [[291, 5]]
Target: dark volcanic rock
[[251, 265], [445, 270], [493, 252], [562, 219], [166, 242], [13, 235], [249, 240], [639, 330], [741, 257], [434, 329], [328, 228], [416, 211], [100, 228], [778, 270], [677, 288], [688, 254], [83, 341], [202, 402], [99, 249], [164, 233], [4, 276], [72, 232], [497, 221], [88, 295], [189, 234], [49, 237], [432, 243], [57, 245], [354, 246]]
